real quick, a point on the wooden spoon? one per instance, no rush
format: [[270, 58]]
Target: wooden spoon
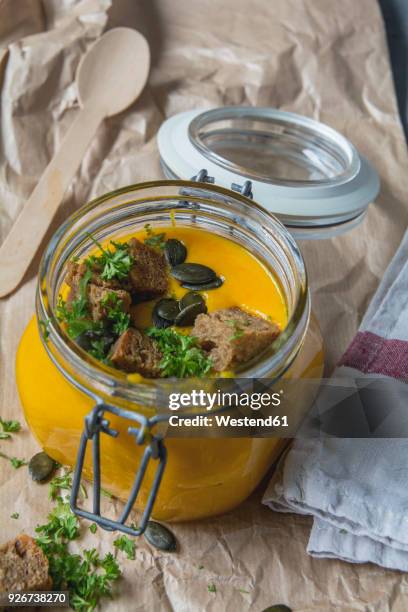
[[109, 78]]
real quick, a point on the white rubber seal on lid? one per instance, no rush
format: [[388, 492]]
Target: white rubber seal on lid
[[303, 171]]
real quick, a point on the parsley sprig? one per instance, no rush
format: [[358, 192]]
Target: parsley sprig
[[182, 357], [114, 264], [115, 312], [8, 427], [86, 576], [156, 240], [15, 461], [126, 545], [63, 482], [76, 314], [238, 332]]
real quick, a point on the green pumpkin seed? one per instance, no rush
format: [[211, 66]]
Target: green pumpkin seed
[[168, 309], [158, 321], [278, 608], [191, 298], [175, 252], [214, 284], [188, 315], [193, 273], [41, 466], [160, 537]]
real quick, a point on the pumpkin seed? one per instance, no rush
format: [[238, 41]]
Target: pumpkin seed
[[175, 252], [41, 466], [159, 321], [278, 608], [193, 273], [191, 298], [188, 315], [214, 284], [86, 339], [160, 537], [167, 308]]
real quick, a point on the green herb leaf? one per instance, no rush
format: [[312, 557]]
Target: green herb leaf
[[238, 331], [63, 482], [114, 264], [126, 545], [93, 528], [182, 357], [154, 240], [88, 577], [15, 461], [76, 314], [15, 515], [115, 312], [59, 483], [45, 329], [9, 426], [212, 588]]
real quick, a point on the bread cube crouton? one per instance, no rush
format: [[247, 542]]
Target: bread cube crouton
[[23, 566], [232, 336], [136, 352]]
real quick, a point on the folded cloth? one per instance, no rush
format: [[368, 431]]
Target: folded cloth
[[357, 489]]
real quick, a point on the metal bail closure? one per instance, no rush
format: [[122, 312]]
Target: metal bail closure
[[95, 425]]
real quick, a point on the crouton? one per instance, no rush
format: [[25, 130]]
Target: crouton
[[101, 298], [136, 352], [23, 566], [233, 337], [75, 272], [148, 276]]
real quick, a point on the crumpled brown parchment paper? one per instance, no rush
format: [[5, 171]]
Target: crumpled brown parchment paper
[[322, 58]]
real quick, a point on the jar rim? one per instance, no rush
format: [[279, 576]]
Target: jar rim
[[314, 144], [111, 382]]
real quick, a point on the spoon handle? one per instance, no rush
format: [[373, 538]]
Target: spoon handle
[[31, 225]]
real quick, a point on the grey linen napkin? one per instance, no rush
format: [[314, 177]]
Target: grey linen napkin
[[357, 489]]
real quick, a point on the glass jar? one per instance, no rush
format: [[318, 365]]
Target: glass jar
[[59, 384], [304, 172]]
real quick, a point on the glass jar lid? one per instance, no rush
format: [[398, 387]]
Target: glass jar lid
[[303, 171]]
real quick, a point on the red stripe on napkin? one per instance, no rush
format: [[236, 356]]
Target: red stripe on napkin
[[372, 354]]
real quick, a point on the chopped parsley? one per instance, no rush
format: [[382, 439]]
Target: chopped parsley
[[153, 239], [15, 461], [238, 331], [8, 427], [15, 515], [114, 264], [87, 577], [182, 357], [126, 545], [115, 312], [99, 349], [212, 588], [63, 482], [93, 528], [45, 329], [76, 314]]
